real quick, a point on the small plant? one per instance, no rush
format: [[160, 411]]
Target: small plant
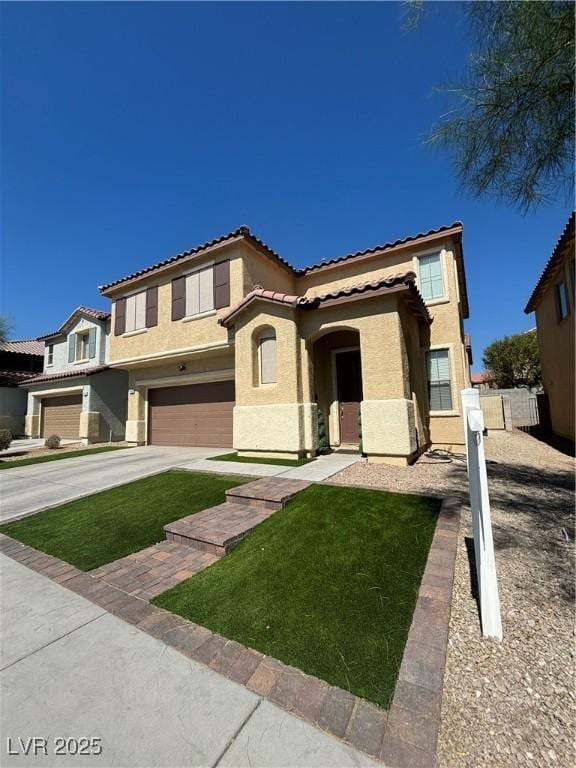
[[52, 442], [5, 439], [323, 445]]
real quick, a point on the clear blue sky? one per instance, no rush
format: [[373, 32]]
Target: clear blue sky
[[131, 132]]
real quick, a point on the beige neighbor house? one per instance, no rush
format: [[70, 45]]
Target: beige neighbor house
[[227, 345], [553, 302], [77, 395]]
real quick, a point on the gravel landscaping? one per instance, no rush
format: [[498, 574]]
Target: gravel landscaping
[[509, 703]]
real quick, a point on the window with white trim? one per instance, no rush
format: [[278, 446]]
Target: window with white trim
[[267, 357], [439, 380], [82, 346], [200, 291], [50, 354], [562, 300], [431, 281], [136, 312]]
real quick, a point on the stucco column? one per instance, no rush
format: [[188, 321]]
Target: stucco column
[[32, 420], [136, 421], [387, 410]]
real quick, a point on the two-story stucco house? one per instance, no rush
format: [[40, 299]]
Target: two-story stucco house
[[228, 345], [77, 394], [553, 302]]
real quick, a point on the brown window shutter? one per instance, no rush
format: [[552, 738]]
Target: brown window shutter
[[120, 317], [152, 307], [178, 298], [221, 284]]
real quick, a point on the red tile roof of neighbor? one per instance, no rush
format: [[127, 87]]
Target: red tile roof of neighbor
[[244, 233], [11, 378], [23, 347], [404, 280], [95, 314], [565, 241], [481, 378], [41, 378]]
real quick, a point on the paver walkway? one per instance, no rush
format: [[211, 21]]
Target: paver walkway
[[151, 571], [70, 668]]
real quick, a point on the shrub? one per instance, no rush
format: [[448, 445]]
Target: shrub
[[323, 445], [5, 439], [52, 442]]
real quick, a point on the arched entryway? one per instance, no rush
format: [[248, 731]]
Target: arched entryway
[[337, 380]]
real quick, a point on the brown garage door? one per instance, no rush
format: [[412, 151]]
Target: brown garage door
[[61, 415], [192, 415]]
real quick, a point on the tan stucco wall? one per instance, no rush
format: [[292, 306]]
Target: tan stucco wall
[[556, 344]]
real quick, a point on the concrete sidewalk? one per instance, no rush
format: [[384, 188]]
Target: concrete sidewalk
[[315, 472], [71, 669], [27, 490]]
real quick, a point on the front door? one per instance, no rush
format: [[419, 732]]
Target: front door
[[349, 383]]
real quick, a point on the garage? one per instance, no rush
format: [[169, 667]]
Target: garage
[[194, 415], [61, 416]]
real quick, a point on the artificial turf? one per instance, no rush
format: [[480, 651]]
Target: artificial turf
[[327, 584], [252, 460], [57, 456], [106, 526]]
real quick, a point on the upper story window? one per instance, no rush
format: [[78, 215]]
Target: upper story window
[[439, 380], [267, 357], [133, 313], [200, 291], [50, 354], [562, 301], [431, 279], [136, 311], [82, 345]]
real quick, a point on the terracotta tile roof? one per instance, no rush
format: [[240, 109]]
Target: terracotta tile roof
[[95, 314], [481, 378], [386, 284], [264, 295], [457, 227], [565, 241], [23, 347], [11, 378], [40, 379], [242, 233]]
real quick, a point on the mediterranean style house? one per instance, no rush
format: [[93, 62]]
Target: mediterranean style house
[[19, 360], [553, 302], [77, 395], [228, 345]]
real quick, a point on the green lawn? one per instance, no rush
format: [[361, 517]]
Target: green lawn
[[57, 456], [251, 460], [327, 584], [108, 525]]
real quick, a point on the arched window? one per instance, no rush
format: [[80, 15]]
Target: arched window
[[267, 365]]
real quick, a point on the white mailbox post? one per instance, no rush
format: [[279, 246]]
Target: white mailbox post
[[481, 520]]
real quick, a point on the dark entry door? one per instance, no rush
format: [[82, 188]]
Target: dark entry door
[[349, 382]]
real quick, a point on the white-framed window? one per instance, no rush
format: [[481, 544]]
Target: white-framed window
[[82, 345], [50, 354], [267, 357], [200, 291], [431, 280], [439, 380], [136, 312], [562, 301]]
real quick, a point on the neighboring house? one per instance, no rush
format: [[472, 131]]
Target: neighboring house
[[77, 394], [553, 302], [483, 380], [228, 345], [19, 360]]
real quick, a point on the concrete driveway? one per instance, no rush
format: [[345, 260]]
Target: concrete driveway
[[27, 490], [70, 669]]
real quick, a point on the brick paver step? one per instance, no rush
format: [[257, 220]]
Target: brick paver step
[[268, 492], [217, 529]]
